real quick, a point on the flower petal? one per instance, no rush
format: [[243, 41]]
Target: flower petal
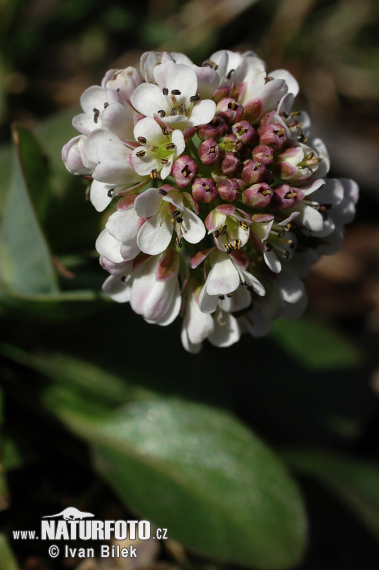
[[155, 235]]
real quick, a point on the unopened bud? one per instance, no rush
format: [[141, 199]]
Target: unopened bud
[[272, 135], [229, 189], [216, 129], [254, 172], [223, 91], [230, 143], [204, 190], [184, 170], [285, 196], [229, 110], [229, 163], [258, 195], [244, 132], [263, 154], [209, 152]]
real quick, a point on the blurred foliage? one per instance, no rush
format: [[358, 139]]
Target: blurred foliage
[[104, 412]]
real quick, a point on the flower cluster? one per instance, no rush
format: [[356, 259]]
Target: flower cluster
[[223, 197]]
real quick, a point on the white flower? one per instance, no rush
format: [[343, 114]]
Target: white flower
[[166, 211], [174, 98], [158, 149]]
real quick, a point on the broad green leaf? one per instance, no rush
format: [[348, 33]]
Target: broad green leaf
[[198, 472], [67, 305], [352, 480], [316, 345], [25, 258], [7, 558]]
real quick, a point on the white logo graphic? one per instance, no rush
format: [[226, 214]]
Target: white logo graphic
[[70, 514]]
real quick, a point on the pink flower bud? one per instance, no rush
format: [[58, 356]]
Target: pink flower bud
[[223, 91], [285, 196], [204, 190], [229, 110], [189, 132], [209, 152], [263, 154], [254, 172], [184, 170], [229, 189], [253, 109], [258, 195], [216, 129], [272, 135], [229, 163], [244, 132]]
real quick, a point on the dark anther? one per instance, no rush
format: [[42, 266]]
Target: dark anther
[[182, 109], [221, 297], [96, 114], [179, 219], [123, 278], [140, 153], [162, 113], [175, 92], [164, 161], [195, 98], [179, 242], [141, 140], [106, 105], [230, 73], [109, 193], [175, 213], [170, 146], [165, 91], [174, 111], [154, 174], [163, 192], [165, 131]]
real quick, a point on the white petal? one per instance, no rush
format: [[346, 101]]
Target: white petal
[[310, 217], [272, 261], [109, 247], [293, 86], [99, 195], [207, 303], [120, 120], [199, 325], [172, 311], [184, 78], [240, 299], [227, 334], [116, 289], [147, 204], [187, 344], [123, 225], [291, 287], [150, 130], [115, 166], [149, 99], [193, 227], [155, 235], [179, 142], [223, 278], [202, 113]]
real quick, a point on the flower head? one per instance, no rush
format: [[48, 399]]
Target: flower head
[[223, 196]]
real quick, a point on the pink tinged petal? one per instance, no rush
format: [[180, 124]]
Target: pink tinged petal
[[150, 298], [168, 265], [192, 226], [181, 58], [119, 119], [214, 220], [147, 204], [167, 168], [109, 247], [226, 334], [178, 140], [240, 258], [226, 209], [200, 256], [208, 80], [123, 225], [175, 198], [223, 278], [240, 299], [310, 218], [272, 261], [293, 86], [155, 235], [100, 195], [149, 99], [202, 113], [117, 289], [72, 157]]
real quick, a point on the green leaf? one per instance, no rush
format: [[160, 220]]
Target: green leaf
[[7, 558], [25, 258], [316, 345], [355, 482], [198, 472]]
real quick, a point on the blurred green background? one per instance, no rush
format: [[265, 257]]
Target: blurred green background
[[70, 359]]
